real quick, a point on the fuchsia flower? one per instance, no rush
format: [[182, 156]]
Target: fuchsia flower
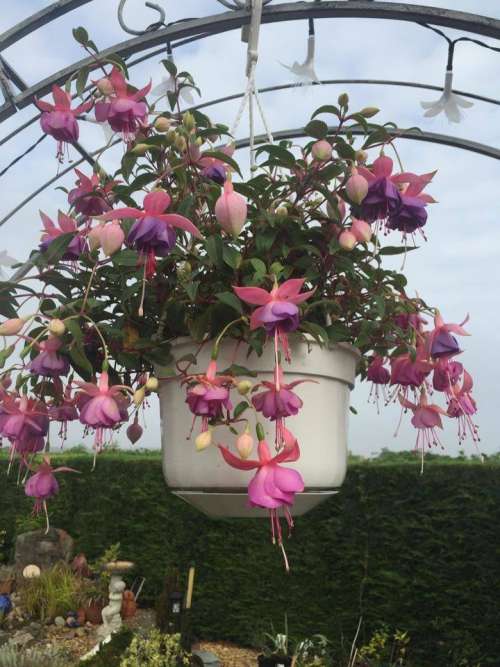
[[406, 372], [123, 111], [440, 341], [231, 210], [278, 308], [64, 412], [101, 407], [210, 395], [25, 423], [215, 169], [462, 406], [426, 418], [446, 373], [153, 235], [379, 376], [48, 363], [89, 198], [42, 485], [67, 225], [273, 485], [59, 120]]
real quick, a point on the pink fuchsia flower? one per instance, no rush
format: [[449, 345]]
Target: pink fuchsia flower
[[22, 418], [278, 309], [356, 187], [153, 233], [111, 237], [462, 406], [43, 485], [209, 397], [273, 485], [63, 413], [215, 169], [48, 362], [89, 197], [231, 210], [59, 120], [124, 111], [446, 374], [67, 225], [406, 372], [379, 376], [441, 342], [426, 419], [101, 407]]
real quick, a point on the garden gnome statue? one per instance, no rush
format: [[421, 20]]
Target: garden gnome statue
[[111, 617]]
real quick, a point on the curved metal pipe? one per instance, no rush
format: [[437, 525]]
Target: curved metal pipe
[[153, 26], [292, 11]]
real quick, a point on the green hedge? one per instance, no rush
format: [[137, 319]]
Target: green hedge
[[417, 552]]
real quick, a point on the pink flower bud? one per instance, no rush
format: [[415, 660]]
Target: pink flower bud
[[356, 187], [231, 210], [134, 432], [362, 230], [94, 236], [244, 445], [11, 327], [322, 150], [347, 240], [112, 238], [105, 86], [203, 440]]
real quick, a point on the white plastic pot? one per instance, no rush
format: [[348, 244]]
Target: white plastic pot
[[204, 480]]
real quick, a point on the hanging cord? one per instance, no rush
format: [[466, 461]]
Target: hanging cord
[[453, 42], [251, 95]]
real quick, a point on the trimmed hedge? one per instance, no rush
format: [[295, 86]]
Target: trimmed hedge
[[417, 552]]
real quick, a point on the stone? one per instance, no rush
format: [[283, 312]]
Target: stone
[[22, 638], [59, 621], [44, 550], [206, 658]]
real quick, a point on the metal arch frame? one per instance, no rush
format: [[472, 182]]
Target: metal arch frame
[[226, 21]]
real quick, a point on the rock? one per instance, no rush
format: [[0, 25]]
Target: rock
[[34, 628], [59, 621], [44, 550], [22, 638], [206, 658]]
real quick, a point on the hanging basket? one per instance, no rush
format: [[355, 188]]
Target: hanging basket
[[204, 480]]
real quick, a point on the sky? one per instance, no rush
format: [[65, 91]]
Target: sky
[[456, 270]]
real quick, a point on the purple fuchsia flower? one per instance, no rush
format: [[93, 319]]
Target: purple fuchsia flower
[[379, 376], [67, 225], [407, 374], [123, 111], [278, 401], [25, 423], [59, 120], [278, 309], [153, 233], [101, 407], [43, 485], [63, 413], [209, 397], [446, 374], [89, 197], [462, 406], [273, 485], [426, 419], [48, 362], [410, 216], [441, 342]]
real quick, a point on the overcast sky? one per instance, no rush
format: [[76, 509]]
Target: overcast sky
[[456, 270]]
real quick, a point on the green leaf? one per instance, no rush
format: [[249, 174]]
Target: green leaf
[[170, 67], [81, 35], [317, 129], [57, 248], [192, 289], [240, 409], [395, 250], [231, 300], [327, 108], [74, 328], [316, 331], [81, 363], [125, 257], [81, 80], [236, 370], [5, 354], [279, 154], [214, 247], [259, 266], [378, 136], [232, 257], [219, 155], [344, 149]]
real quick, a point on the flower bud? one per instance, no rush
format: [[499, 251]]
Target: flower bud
[[231, 210], [162, 124], [94, 236], [343, 99], [139, 396], [244, 387], [57, 327], [171, 136], [244, 444], [183, 270], [368, 112], [134, 432], [347, 240], [180, 143], [362, 230], [112, 238], [105, 86], [188, 121], [356, 187], [361, 156], [152, 383], [322, 150], [281, 211], [203, 440], [12, 327], [140, 149]]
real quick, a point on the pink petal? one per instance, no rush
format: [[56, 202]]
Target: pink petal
[[467, 383], [406, 403], [66, 223], [300, 298], [120, 213], [290, 288], [254, 295], [256, 318], [118, 81], [288, 454], [236, 462], [382, 166], [156, 202], [44, 106], [47, 222], [179, 221], [61, 97], [288, 480], [366, 173], [257, 493], [142, 92]]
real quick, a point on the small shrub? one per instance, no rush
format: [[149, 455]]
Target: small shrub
[[111, 654], [156, 650], [11, 656], [53, 593]]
